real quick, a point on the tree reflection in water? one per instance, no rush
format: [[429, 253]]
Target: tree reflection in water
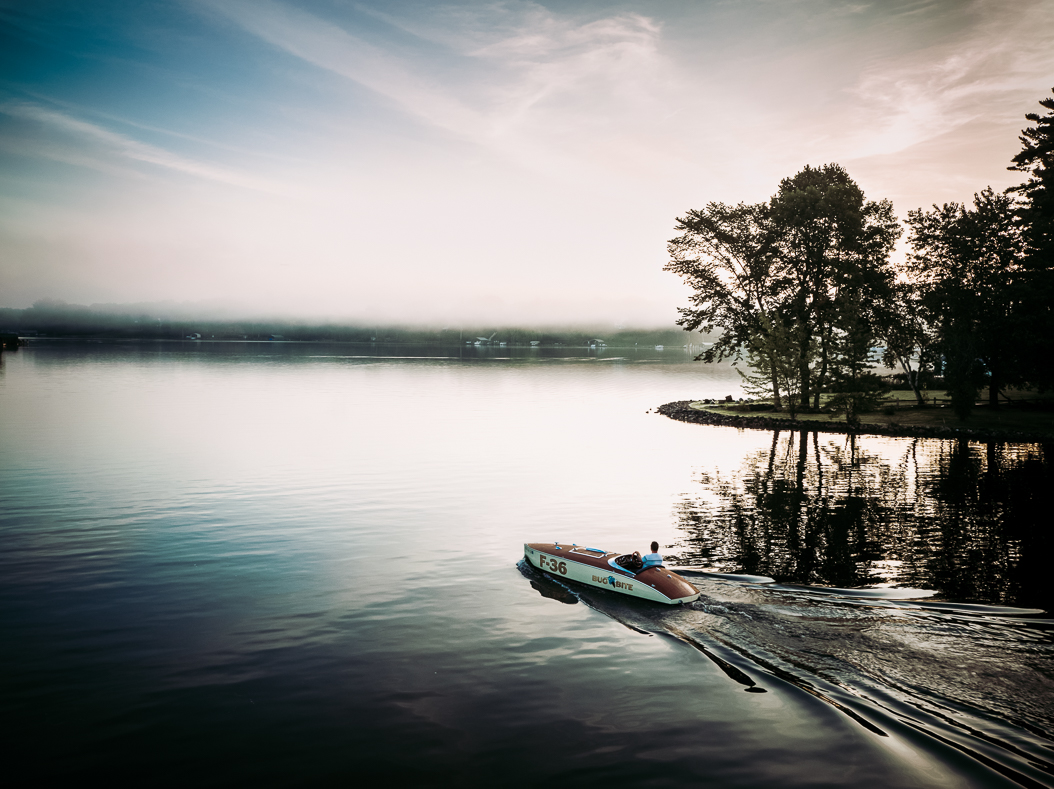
[[969, 520]]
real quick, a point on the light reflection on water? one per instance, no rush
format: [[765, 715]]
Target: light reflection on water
[[238, 562]]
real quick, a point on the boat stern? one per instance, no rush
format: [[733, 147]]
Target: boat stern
[[668, 583]]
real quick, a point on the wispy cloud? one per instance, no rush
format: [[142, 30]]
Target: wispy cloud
[[1005, 53], [524, 81], [97, 145], [536, 54], [330, 47]]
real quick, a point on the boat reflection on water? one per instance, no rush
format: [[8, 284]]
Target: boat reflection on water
[[553, 591], [966, 519]]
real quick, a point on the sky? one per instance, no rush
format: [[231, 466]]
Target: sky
[[507, 162]]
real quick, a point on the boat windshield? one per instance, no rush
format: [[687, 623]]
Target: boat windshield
[[629, 562]]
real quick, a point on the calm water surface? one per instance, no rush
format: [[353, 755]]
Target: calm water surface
[[302, 564]]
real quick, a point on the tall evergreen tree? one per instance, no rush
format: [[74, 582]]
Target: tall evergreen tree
[[1037, 159], [1036, 330]]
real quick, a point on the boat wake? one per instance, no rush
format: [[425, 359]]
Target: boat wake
[[956, 681]]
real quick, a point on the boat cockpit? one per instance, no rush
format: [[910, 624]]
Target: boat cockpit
[[631, 563]]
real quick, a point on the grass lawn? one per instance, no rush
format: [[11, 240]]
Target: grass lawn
[[1007, 417]]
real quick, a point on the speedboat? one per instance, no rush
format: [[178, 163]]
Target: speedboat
[[609, 570]]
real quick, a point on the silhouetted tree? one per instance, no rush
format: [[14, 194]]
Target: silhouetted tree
[[773, 353], [1037, 159], [905, 330], [964, 262], [1036, 332], [829, 238], [726, 254], [795, 265], [854, 387]]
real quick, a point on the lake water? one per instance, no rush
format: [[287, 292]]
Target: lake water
[[289, 563]]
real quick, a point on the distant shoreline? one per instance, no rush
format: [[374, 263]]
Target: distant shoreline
[[682, 411]]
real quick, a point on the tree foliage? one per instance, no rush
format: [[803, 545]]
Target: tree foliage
[[791, 276], [907, 340], [1036, 212], [833, 244], [1037, 159], [774, 352], [727, 255], [854, 387], [966, 263]]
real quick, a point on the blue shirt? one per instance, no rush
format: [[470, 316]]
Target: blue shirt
[[651, 560]]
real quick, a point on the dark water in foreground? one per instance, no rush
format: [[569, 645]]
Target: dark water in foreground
[[301, 564]]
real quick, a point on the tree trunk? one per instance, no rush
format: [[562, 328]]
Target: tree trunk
[[803, 367], [776, 404], [913, 380], [995, 383], [821, 377], [958, 376]]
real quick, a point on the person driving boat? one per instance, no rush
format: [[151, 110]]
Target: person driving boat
[[635, 562], [652, 559]]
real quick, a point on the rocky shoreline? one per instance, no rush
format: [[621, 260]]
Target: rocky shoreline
[[681, 411]]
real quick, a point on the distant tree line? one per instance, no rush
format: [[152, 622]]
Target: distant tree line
[[54, 318], [803, 289]]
